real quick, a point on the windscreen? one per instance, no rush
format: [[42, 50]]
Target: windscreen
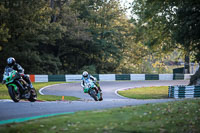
[[7, 71]]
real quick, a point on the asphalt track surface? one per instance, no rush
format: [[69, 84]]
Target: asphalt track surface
[[22, 109]]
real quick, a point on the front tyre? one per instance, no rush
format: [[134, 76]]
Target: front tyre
[[93, 94], [15, 96], [33, 95]]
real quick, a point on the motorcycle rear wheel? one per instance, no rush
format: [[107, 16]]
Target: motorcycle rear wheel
[[33, 95], [15, 96], [101, 98]]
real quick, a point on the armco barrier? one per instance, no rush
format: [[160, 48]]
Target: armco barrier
[[41, 78], [32, 78], [187, 76], [151, 76], [56, 78], [178, 76], [96, 76], [137, 76], [111, 77], [122, 77], [165, 76], [73, 77], [107, 77], [183, 91]]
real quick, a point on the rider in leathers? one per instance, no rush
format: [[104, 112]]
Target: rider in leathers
[[88, 76], [12, 64]]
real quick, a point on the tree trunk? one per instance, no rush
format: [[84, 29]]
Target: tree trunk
[[187, 63], [195, 79], [52, 3], [53, 17]]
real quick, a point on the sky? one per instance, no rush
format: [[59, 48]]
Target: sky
[[126, 3]]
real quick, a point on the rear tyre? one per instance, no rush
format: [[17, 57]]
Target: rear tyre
[[33, 95], [101, 98], [15, 96]]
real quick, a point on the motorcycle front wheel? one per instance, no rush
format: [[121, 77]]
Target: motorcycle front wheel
[[15, 96], [93, 94]]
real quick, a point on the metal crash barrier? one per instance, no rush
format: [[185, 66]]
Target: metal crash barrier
[[109, 77], [184, 91]]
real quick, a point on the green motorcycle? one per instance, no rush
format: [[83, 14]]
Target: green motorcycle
[[92, 90], [18, 88]]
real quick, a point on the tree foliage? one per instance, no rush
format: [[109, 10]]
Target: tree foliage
[[62, 36], [187, 26], [168, 25], [107, 31], [30, 31]]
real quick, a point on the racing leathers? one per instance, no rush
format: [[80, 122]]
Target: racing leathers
[[20, 70], [93, 79]]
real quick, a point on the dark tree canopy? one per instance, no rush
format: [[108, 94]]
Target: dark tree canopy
[[169, 25], [70, 36], [60, 36]]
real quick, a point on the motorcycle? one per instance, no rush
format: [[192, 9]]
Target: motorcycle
[[18, 88], [93, 90]]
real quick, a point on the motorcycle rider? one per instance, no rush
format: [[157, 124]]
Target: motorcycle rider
[[11, 63], [86, 76]]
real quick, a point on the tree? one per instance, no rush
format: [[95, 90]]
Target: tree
[[72, 48], [4, 31], [61, 36], [187, 28], [107, 43], [29, 29], [163, 24]]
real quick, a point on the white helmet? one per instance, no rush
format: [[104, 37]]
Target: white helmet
[[11, 61], [85, 74]]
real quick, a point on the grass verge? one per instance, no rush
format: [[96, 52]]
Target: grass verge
[[146, 92], [180, 116], [4, 92]]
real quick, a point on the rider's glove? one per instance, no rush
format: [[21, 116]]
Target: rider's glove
[[95, 80]]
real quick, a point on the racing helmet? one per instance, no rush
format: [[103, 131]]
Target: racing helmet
[[11, 61], [85, 74]]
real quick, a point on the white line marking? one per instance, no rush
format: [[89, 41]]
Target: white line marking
[[6, 100], [122, 89], [127, 88], [40, 91]]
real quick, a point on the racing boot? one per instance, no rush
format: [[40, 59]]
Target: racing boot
[[30, 85], [26, 78], [98, 86]]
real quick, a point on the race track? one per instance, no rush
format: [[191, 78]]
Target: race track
[[11, 110]]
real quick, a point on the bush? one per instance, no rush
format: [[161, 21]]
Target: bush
[[90, 69]]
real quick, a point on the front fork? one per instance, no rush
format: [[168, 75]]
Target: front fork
[[14, 85], [20, 85]]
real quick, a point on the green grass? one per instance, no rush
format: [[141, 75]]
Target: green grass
[[146, 93], [4, 92], [171, 117]]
